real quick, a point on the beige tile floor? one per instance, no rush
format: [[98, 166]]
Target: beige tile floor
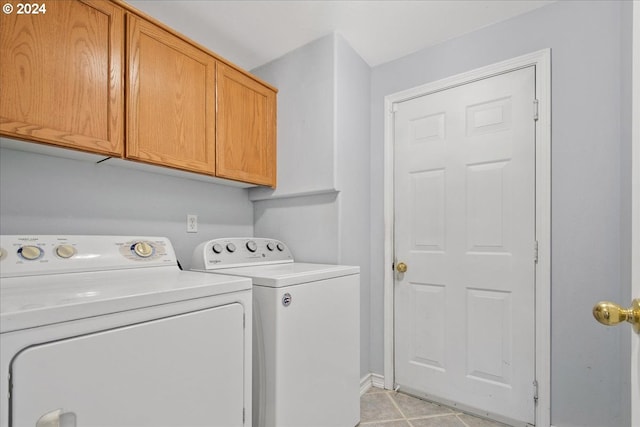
[[384, 408]]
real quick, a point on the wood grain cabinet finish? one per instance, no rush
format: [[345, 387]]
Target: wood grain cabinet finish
[[61, 76], [246, 128], [170, 100]]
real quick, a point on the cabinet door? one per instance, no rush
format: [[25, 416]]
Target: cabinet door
[[170, 100], [61, 78], [246, 129]]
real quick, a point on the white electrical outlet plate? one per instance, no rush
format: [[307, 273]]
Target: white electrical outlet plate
[[192, 223]]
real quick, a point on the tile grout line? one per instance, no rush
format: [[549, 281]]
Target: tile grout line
[[461, 420], [396, 405]]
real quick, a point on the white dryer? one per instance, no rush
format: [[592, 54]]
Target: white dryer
[[306, 348], [108, 331]]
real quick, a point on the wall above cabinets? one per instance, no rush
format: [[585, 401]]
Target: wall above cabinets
[[66, 88]]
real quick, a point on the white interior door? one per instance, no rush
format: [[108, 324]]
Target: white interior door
[[464, 190]]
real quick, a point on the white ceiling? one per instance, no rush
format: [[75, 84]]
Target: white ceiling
[[253, 32]]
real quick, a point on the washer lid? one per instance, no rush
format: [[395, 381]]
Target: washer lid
[[287, 274], [27, 302]]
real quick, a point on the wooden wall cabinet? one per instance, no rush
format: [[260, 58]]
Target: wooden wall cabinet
[[170, 100], [62, 83], [61, 77], [246, 128]]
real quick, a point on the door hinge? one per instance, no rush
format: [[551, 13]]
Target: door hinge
[[535, 109], [535, 251], [535, 391]]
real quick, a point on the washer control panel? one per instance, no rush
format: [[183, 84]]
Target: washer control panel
[[239, 251], [51, 254]]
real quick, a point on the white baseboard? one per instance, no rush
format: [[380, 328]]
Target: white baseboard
[[371, 380]]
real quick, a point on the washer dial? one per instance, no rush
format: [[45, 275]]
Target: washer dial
[[231, 247], [217, 248], [252, 246]]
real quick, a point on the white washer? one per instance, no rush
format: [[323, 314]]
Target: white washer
[[108, 331], [306, 347]]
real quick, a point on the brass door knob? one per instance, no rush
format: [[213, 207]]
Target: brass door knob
[[609, 313], [401, 267]]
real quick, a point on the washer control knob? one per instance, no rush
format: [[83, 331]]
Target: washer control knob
[[143, 249], [217, 248], [271, 246], [65, 251], [30, 252], [231, 247], [280, 247], [3, 253], [252, 246]]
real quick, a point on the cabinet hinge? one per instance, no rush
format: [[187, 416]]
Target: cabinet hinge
[[535, 391], [535, 251], [535, 109]]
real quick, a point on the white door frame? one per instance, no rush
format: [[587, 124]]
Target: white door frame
[[635, 206], [542, 61]]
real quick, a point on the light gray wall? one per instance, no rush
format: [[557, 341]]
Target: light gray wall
[[306, 81], [353, 85], [41, 194], [586, 39], [323, 148]]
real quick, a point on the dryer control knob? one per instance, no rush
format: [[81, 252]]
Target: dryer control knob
[[143, 249], [30, 252], [252, 246], [280, 247], [231, 247], [65, 251], [271, 246], [217, 248]]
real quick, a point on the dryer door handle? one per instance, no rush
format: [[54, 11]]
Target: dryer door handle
[[57, 418]]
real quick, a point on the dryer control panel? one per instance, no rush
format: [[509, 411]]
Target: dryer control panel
[[239, 251], [53, 254]]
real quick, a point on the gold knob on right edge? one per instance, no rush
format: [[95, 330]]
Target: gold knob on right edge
[[609, 313], [401, 267]]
